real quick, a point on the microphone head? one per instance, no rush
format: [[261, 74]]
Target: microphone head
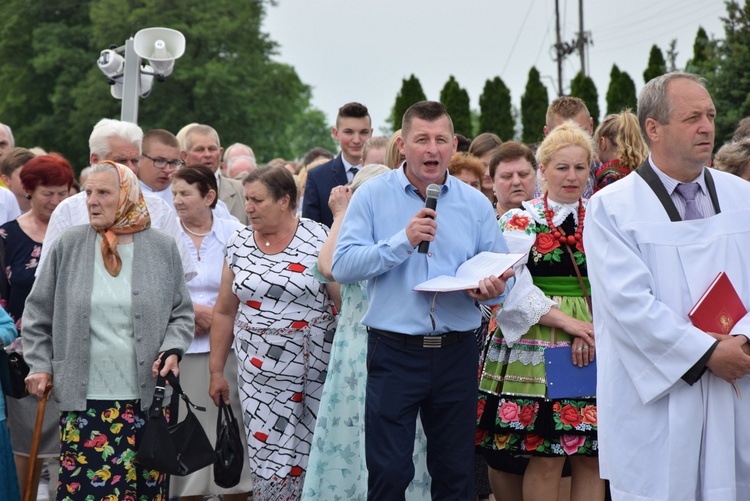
[[433, 191]]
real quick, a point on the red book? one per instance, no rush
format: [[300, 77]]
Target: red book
[[719, 308]]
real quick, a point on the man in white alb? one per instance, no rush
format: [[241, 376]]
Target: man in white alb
[[671, 426]]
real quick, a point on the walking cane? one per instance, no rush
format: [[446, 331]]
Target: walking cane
[[35, 442]]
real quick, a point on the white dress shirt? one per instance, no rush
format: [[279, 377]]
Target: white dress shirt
[[348, 167], [9, 209], [204, 288]]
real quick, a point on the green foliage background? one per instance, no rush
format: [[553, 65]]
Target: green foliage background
[[53, 93]]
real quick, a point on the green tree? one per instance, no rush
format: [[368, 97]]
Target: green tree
[[53, 93], [583, 87], [657, 66], [411, 92], [43, 48], [621, 91], [306, 131], [456, 102], [705, 58], [700, 48], [495, 109], [534, 104], [730, 85]]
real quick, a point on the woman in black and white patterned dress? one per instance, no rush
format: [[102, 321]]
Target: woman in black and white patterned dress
[[281, 321]]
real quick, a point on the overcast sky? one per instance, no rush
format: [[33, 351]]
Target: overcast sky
[[360, 50]]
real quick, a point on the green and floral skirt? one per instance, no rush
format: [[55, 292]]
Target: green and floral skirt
[[514, 414]]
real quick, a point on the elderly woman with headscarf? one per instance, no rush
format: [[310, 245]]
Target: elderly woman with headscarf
[[109, 309]]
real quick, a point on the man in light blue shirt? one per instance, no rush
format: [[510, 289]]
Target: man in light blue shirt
[[422, 354]]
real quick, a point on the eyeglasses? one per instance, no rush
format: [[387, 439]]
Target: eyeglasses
[[161, 163]]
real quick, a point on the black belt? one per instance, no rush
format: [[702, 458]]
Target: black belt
[[436, 341]]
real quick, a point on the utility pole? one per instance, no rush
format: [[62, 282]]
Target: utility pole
[[564, 49], [584, 39], [581, 37], [559, 49]]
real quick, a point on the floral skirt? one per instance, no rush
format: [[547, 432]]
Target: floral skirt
[[97, 455], [514, 414]]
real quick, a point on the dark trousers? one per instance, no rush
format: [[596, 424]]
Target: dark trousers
[[441, 385]]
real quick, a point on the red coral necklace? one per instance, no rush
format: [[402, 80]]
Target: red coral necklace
[[558, 233]]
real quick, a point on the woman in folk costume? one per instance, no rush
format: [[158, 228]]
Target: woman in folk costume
[[548, 307]]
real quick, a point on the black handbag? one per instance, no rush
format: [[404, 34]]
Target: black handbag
[[230, 454], [179, 449], [13, 372]]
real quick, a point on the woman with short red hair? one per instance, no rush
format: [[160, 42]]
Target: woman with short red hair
[[46, 180]]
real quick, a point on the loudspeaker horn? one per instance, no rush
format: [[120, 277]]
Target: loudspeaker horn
[[161, 46]]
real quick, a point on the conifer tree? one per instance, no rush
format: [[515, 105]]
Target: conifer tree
[[583, 87], [495, 109], [534, 104], [411, 92], [456, 102]]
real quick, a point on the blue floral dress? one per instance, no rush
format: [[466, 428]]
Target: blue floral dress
[[337, 468]]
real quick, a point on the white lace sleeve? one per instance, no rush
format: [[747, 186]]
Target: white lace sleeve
[[523, 307]]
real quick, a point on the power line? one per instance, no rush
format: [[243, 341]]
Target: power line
[[654, 25], [518, 36]]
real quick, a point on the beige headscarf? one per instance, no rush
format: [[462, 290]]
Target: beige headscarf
[[132, 216]]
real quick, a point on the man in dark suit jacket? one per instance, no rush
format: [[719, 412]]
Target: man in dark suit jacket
[[353, 128], [202, 146]]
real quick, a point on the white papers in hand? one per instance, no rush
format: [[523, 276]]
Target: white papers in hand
[[469, 274]]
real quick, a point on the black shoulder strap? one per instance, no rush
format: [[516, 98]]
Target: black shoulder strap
[[712, 190], [648, 175]]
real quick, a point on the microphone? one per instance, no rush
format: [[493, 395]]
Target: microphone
[[433, 192]]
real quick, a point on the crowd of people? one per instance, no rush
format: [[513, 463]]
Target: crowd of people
[[286, 290]]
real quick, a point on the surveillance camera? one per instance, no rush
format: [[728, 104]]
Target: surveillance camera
[[111, 63]]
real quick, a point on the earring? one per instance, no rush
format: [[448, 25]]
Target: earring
[[28, 197]]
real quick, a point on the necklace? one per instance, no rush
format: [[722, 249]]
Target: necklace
[[192, 232], [558, 233], [268, 243]]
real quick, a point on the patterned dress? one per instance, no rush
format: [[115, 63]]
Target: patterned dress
[[515, 416], [337, 458], [21, 259], [283, 333], [609, 172]]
